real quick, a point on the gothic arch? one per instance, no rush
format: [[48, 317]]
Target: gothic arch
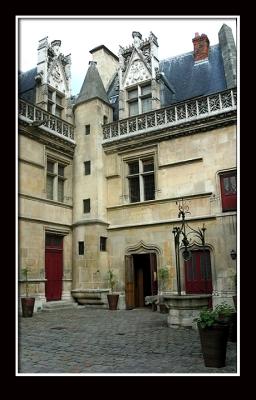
[[142, 247]]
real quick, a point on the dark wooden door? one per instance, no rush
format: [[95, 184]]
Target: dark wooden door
[[198, 277], [53, 267], [139, 286], [129, 283], [153, 272]]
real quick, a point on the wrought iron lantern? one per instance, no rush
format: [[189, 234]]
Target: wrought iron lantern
[[183, 237]]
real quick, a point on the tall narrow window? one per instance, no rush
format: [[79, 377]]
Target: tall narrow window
[[80, 248], [50, 180], [228, 191], [141, 180], [103, 243], [87, 205], [87, 129], [60, 183], [87, 167], [105, 119]]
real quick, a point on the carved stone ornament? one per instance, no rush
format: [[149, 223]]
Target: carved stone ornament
[[56, 76], [137, 73]]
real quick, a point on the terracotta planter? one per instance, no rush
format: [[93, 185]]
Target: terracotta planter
[[112, 301], [27, 304], [214, 344]]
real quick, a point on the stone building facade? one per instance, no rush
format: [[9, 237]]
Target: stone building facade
[[101, 173]]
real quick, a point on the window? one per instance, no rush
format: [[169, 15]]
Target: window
[[87, 129], [58, 111], [105, 119], [141, 180], [103, 243], [80, 248], [87, 205], [228, 191], [87, 167], [54, 104], [139, 100], [55, 181], [58, 99]]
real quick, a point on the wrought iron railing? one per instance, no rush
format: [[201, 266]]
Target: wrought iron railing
[[175, 114], [37, 115]]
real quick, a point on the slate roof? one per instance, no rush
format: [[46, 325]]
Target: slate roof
[[190, 79], [27, 80], [27, 85], [92, 86], [187, 78]]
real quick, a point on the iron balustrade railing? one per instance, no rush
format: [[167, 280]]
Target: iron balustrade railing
[[39, 117], [175, 114]]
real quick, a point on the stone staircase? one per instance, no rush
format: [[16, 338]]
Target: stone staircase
[[60, 305]]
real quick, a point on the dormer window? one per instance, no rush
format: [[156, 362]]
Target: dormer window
[[54, 104], [139, 99]]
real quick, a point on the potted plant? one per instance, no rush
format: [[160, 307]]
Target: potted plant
[[227, 314], [213, 336], [163, 276], [28, 302], [112, 297]]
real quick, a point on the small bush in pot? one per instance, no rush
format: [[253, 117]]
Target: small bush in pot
[[27, 302], [213, 337], [228, 315], [112, 297]]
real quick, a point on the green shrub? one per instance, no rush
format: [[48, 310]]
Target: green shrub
[[224, 309], [111, 279], [207, 318], [163, 276]]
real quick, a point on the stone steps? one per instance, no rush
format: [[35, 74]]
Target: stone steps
[[59, 305]]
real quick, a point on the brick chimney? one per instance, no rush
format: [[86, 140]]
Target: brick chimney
[[201, 47]]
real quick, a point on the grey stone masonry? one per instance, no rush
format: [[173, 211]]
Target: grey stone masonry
[[85, 341], [228, 51]]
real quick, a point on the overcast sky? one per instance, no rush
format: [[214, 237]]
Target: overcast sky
[[80, 35]]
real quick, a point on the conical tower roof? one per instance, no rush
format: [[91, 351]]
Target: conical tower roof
[[92, 87]]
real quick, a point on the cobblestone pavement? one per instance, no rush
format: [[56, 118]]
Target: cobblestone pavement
[[102, 341]]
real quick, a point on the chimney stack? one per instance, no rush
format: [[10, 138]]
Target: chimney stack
[[201, 47]]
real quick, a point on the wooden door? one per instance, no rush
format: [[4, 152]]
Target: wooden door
[[198, 277], [53, 267], [139, 286], [129, 283], [153, 272]]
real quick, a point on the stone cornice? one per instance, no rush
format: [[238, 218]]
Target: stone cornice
[[47, 201], [158, 201], [43, 221], [90, 222], [162, 222], [47, 138], [35, 164], [177, 163]]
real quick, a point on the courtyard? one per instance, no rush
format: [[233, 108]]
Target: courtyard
[[98, 341]]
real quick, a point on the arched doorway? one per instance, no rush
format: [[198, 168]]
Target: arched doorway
[[140, 274]]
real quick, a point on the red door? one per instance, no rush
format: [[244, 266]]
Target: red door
[[198, 277], [53, 267]]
